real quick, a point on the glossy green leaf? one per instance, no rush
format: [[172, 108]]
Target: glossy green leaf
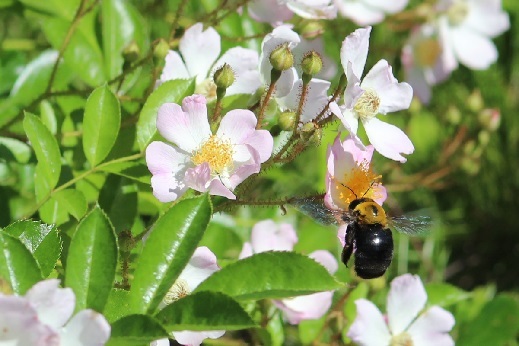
[[73, 201], [92, 261], [43, 241], [172, 91], [136, 171], [170, 245], [350, 308], [444, 294], [14, 150], [48, 117], [496, 324], [17, 265], [45, 147], [100, 124], [117, 305], [136, 330], [272, 274], [64, 9], [118, 198], [205, 311]]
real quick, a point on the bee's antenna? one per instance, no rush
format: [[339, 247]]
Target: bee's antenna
[[369, 188], [356, 197]]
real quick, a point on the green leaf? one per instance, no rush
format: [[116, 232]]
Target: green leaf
[[272, 274], [136, 330], [14, 149], [444, 294], [73, 201], [43, 241], [101, 124], [170, 245], [65, 9], [92, 261], [118, 198], [205, 311], [136, 171], [497, 324], [17, 265], [350, 309], [117, 305], [172, 91], [45, 147]]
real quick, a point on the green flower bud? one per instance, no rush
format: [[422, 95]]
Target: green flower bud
[[475, 101], [282, 58], [484, 137], [224, 77], [316, 137], [131, 52], [312, 30], [311, 133], [490, 118], [161, 49], [287, 120], [453, 115], [312, 63]]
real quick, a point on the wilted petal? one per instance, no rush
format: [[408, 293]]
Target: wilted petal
[[174, 68], [406, 298], [431, 328], [54, 305], [200, 49], [388, 139], [354, 49], [196, 338], [369, 328], [267, 235], [86, 328]]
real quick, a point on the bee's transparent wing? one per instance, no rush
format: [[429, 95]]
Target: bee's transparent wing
[[314, 207], [412, 224]]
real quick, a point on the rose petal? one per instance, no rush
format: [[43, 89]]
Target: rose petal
[[393, 6], [86, 328], [168, 187], [405, 300], [198, 177], [359, 12], [200, 49], [202, 264], [270, 11], [244, 63], [246, 251], [267, 235], [341, 234], [326, 259], [487, 18], [308, 307], [388, 139], [162, 158], [237, 125], [191, 338], [174, 68], [354, 49], [369, 328], [432, 327], [473, 50]]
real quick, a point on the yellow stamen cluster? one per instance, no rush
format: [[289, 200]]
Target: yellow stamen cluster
[[367, 105], [457, 12], [357, 183], [427, 52], [403, 339], [217, 153], [180, 289]]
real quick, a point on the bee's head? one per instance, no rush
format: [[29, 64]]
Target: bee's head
[[368, 211]]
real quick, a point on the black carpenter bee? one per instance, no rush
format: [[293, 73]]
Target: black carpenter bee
[[368, 236]]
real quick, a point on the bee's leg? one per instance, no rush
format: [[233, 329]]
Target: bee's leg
[[348, 246]]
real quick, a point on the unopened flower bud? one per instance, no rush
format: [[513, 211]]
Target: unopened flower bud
[[287, 120], [312, 63], [224, 77], [282, 58], [484, 137], [307, 131], [161, 49], [453, 115], [131, 52], [475, 101], [312, 30], [316, 137], [490, 118]]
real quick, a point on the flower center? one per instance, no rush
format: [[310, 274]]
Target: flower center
[[427, 52], [402, 339], [359, 182], [180, 289], [207, 88], [457, 12], [367, 105], [216, 152]]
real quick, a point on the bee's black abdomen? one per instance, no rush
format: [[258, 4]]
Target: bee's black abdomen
[[374, 250]]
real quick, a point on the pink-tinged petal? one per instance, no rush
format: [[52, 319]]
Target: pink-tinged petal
[[202, 264], [487, 18], [326, 259], [20, 325], [393, 96], [388, 139], [269, 11], [380, 192], [244, 63], [341, 233], [369, 328], [186, 129], [421, 88], [359, 153], [262, 142], [309, 307], [354, 49], [393, 6], [431, 328], [160, 342], [217, 188], [191, 338], [406, 298], [237, 125], [472, 49], [347, 117], [54, 305], [162, 158], [359, 12], [198, 177], [200, 49], [266, 235], [86, 328], [246, 251], [174, 68], [168, 187], [244, 171], [353, 90]]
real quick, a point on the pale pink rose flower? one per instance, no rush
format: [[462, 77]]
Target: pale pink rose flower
[[199, 52], [202, 264], [406, 321], [43, 318], [200, 160], [276, 12], [368, 12], [379, 92]]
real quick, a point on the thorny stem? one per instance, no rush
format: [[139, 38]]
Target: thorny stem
[[302, 101], [336, 94], [266, 100], [237, 202]]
